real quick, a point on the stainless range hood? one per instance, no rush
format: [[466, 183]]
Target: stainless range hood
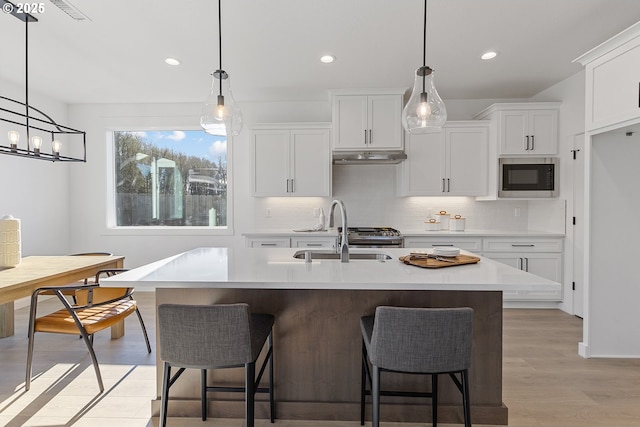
[[368, 157]]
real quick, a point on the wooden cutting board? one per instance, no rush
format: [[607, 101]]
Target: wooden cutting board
[[423, 262]]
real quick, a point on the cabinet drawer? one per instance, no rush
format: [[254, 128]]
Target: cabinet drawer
[[467, 243], [310, 242], [522, 245], [269, 243]]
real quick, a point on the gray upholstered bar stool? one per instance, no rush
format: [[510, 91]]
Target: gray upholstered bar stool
[[417, 341], [214, 337]]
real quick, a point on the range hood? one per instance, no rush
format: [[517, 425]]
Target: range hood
[[368, 157]]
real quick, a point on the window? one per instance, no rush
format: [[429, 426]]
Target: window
[[170, 178]]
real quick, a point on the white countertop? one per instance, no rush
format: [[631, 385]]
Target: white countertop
[[406, 232], [277, 269]]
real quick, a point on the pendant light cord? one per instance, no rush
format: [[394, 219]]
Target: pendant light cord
[[220, 43], [424, 51], [424, 48]]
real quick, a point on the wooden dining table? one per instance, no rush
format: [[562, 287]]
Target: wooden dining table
[[34, 272]]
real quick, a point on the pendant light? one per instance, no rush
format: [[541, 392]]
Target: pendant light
[[221, 114], [425, 111]]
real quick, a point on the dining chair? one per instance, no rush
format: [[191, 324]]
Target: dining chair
[[215, 336], [429, 341], [72, 292], [95, 309]]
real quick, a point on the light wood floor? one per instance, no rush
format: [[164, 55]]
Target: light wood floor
[[545, 382]]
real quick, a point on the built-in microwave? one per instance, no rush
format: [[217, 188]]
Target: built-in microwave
[[528, 177]]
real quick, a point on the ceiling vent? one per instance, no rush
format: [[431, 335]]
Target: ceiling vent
[[70, 9]]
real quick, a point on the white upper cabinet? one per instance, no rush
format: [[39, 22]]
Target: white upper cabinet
[[367, 121], [613, 82], [525, 129], [291, 160], [449, 163]]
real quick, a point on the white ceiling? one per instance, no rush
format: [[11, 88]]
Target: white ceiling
[[271, 47]]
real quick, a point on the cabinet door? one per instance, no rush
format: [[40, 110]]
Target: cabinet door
[[385, 122], [311, 163], [423, 171], [466, 161], [271, 168], [544, 265], [616, 87], [543, 132], [350, 122], [513, 129]]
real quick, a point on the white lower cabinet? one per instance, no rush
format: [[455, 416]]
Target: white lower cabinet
[[542, 257]]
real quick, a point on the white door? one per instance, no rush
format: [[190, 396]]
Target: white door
[[578, 227]]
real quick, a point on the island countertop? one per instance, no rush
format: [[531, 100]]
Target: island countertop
[[318, 306], [276, 268]]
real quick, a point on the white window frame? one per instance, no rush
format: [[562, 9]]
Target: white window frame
[[111, 227]]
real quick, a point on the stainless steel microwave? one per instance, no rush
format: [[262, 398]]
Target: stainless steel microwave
[[528, 177]]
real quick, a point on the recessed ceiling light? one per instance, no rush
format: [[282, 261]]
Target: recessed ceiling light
[[489, 55], [172, 61], [327, 59]]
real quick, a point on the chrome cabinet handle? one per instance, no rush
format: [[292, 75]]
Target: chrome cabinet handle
[[532, 142], [520, 262], [365, 137], [522, 246], [370, 137], [443, 185], [268, 244], [292, 187], [314, 245], [526, 268], [288, 186], [526, 143], [448, 185]]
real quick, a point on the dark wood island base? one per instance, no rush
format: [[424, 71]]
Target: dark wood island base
[[317, 353]]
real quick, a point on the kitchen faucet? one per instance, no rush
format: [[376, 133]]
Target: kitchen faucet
[[343, 250]]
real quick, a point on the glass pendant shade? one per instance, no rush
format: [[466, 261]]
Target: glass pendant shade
[[221, 114], [425, 112]]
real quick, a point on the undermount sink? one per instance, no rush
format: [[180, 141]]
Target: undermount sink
[[379, 256]]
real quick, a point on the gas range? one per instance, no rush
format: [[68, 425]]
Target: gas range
[[372, 237]]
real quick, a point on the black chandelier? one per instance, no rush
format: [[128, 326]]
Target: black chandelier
[[39, 126]]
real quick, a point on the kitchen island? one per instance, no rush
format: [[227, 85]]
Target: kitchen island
[[317, 306]]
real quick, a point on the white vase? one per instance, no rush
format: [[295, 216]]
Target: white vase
[[10, 246]]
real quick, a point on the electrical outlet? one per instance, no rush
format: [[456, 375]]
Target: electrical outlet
[[316, 212], [267, 212], [516, 212]]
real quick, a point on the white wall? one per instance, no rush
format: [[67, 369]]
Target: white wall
[[35, 191]]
